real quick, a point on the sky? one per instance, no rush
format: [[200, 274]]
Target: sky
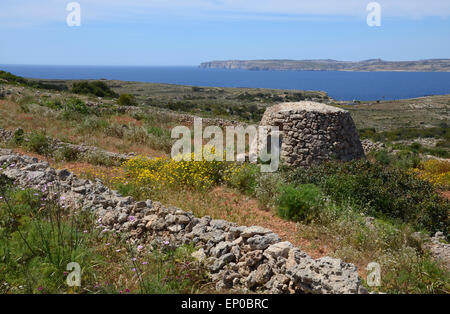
[[188, 32]]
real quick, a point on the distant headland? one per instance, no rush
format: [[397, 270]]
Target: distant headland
[[372, 65]]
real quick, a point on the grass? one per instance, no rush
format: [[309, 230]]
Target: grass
[[405, 266], [407, 139], [39, 239], [331, 205], [361, 211], [72, 121]]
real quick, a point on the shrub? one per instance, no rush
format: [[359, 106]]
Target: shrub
[[160, 143], [93, 123], [126, 100], [11, 78], [38, 142], [67, 153], [403, 159], [380, 191], [158, 131], [100, 159], [299, 203], [405, 267], [55, 104], [77, 105], [18, 136], [96, 88], [441, 131], [267, 188], [406, 271], [195, 174], [244, 178], [436, 172]]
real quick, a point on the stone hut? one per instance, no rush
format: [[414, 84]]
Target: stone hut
[[312, 132]]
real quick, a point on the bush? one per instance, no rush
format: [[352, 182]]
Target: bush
[[77, 105], [436, 172], [55, 104], [67, 153], [94, 123], [157, 173], [380, 191], [408, 272], [403, 159], [18, 136], [100, 159], [299, 203], [11, 78], [245, 178], [267, 188], [96, 88], [158, 131], [38, 142], [126, 100]]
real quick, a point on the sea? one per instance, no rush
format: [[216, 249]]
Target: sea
[[347, 86]]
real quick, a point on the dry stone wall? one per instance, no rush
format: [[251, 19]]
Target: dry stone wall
[[313, 132], [239, 257]]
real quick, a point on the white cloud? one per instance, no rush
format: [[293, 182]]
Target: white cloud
[[23, 12]]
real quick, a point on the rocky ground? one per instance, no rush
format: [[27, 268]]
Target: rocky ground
[[239, 257]]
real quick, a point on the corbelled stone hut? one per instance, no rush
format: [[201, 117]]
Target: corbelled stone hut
[[312, 132]]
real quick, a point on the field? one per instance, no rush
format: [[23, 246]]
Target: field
[[382, 209]]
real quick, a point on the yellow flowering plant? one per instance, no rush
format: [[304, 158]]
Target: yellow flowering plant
[[184, 170], [436, 172]]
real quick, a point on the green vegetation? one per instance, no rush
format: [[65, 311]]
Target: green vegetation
[[361, 211], [246, 104], [379, 191], [18, 80], [126, 100], [37, 142], [300, 203], [96, 88], [405, 135], [151, 131], [39, 239], [364, 211], [443, 131]]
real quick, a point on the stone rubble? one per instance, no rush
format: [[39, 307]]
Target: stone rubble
[[439, 249], [239, 257], [370, 146]]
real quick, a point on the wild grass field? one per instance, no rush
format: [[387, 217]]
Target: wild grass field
[[383, 209]]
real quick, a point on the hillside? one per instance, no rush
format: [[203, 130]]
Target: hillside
[[429, 65], [112, 157]]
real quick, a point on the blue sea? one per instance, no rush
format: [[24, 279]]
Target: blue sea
[[338, 85]]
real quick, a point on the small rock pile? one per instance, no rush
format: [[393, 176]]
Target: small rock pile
[[239, 257], [370, 146], [313, 132], [439, 249]]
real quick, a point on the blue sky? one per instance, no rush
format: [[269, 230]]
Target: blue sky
[[187, 32]]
